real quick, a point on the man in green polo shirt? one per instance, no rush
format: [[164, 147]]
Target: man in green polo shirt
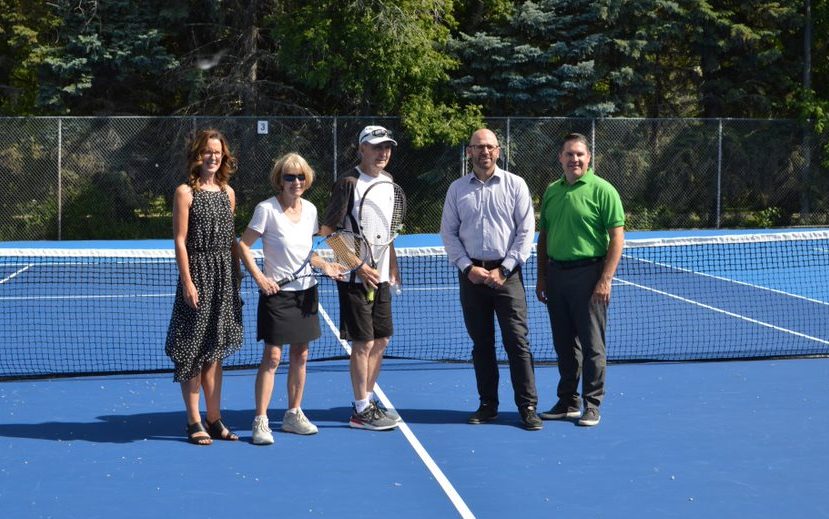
[[580, 239]]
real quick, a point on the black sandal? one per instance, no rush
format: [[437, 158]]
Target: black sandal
[[218, 431], [195, 428]]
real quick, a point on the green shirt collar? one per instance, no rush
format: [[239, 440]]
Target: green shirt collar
[[587, 178]]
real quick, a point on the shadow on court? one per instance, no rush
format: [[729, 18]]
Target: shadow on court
[[109, 429], [169, 426]]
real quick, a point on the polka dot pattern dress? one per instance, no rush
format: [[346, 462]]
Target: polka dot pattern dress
[[214, 331]]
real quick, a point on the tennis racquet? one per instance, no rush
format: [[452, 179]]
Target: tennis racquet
[[343, 249], [381, 214]]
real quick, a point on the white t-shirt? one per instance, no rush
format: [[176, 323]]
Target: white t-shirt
[[385, 204], [285, 244]]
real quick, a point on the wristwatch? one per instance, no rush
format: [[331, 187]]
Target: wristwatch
[[505, 271]]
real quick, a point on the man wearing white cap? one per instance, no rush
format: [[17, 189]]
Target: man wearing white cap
[[368, 324]]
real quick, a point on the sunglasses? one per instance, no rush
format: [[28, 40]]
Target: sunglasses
[[290, 178], [381, 133]]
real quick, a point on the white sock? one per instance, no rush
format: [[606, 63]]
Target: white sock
[[361, 405], [262, 417], [369, 396], [293, 410]]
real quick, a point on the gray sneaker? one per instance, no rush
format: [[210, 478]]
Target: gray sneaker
[[390, 413], [261, 432], [297, 423], [371, 418]]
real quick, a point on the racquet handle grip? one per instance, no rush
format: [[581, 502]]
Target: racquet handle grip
[[282, 282]]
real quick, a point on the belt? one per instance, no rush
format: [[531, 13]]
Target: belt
[[488, 264], [567, 265]]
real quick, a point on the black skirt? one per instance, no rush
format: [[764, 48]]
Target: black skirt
[[288, 317]]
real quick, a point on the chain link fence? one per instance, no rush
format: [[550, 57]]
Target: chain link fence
[[74, 178]]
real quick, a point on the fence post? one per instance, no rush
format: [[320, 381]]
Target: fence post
[[593, 142], [60, 178], [805, 202], [334, 135], [509, 141], [463, 160], [719, 173]]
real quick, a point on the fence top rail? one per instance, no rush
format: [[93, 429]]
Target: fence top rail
[[387, 117]]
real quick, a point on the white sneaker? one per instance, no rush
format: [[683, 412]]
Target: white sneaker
[[296, 422], [261, 432]]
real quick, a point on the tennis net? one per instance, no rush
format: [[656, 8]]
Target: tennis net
[[93, 311]]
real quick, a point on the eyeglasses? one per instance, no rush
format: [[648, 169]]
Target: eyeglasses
[[210, 153], [484, 147], [290, 178]]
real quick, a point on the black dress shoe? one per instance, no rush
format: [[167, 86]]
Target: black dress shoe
[[485, 413]]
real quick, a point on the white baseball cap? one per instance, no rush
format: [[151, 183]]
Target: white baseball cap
[[375, 135]]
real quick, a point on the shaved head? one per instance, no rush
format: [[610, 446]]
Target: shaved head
[[483, 135]]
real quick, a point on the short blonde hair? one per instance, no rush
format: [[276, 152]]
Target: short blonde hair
[[285, 161]]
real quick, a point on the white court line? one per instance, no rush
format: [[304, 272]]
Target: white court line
[[441, 478], [719, 278], [24, 269], [49, 298], [725, 312]]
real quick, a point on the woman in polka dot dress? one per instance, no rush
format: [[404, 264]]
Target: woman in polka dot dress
[[206, 325]]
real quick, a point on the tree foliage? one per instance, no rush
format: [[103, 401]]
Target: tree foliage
[[106, 57], [543, 62], [814, 102], [374, 57], [440, 64], [748, 55], [361, 55], [723, 58], [23, 24]]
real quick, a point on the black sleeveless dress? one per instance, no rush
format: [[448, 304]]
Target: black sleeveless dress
[[214, 331]]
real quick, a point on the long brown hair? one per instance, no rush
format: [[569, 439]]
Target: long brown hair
[[195, 160]]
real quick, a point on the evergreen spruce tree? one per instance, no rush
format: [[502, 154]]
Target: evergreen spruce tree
[[542, 62], [106, 58]]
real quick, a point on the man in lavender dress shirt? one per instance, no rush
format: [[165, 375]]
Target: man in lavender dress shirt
[[487, 229]]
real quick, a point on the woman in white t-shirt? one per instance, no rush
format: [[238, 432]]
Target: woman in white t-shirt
[[286, 224]]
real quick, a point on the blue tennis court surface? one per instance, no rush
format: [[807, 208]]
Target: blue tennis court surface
[[681, 440], [676, 440]]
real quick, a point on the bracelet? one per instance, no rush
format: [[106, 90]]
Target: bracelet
[[466, 270]]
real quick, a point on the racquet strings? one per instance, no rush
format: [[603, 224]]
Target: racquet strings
[[349, 251], [380, 223]]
